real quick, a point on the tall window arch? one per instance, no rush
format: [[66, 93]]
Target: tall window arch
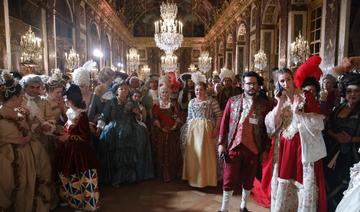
[[64, 23], [107, 50], [94, 42]]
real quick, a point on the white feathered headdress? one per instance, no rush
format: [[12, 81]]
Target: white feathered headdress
[[197, 77], [226, 73], [81, 76]]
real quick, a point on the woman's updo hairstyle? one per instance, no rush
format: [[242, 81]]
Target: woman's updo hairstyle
[[351, 78], [9, 87], [73, 93]]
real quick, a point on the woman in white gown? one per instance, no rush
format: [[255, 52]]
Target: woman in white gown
[[351, 200]]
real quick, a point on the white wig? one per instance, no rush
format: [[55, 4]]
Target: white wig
[[30, 79]]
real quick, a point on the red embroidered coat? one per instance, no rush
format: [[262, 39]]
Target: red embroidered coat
[[231, 118]]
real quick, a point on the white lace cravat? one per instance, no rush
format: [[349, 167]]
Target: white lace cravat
[[34, 109]]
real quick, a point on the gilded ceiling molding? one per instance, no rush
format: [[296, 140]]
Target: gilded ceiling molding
[[104, 10], [227, 18]]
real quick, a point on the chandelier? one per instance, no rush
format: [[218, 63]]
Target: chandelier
[[204, 62], [168, 31], [169, 62], [144, 72], [31, 48], [260, 60], [72, 59], [299, 50], [133, 59]]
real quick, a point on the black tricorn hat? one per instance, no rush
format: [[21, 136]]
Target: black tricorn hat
[[185, 77]]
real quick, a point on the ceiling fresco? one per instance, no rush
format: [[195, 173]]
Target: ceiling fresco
[[196, 15]]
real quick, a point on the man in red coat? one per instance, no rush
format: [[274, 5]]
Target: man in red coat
[[243, 139]]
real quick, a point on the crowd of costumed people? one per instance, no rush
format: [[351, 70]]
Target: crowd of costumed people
[[292, 142]]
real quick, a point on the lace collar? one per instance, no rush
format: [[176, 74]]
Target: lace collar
[[72, 115], [164, 105]]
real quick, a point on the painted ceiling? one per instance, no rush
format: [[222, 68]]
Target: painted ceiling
[[196, 15]]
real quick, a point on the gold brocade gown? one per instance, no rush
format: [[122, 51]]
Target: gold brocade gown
[[25, 169]]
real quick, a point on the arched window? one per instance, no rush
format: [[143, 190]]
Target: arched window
[[107, 50], [64, 23], [94, 42]]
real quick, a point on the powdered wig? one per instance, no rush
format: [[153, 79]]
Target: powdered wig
[[164, 88], [31, 79]]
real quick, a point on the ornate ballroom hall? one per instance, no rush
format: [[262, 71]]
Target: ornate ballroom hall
[[136, 36], [232, 31]]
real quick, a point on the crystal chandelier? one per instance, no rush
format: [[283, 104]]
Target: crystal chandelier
[[169, 62], [260, 60], [168, 31], [299, 50], [133, 59], [192, 68], [144, 72], [204, 62], [31, 48], [72, 59]]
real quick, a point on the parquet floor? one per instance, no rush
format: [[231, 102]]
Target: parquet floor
[[156, 196]]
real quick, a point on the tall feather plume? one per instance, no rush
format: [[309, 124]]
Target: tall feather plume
[[308, 69]]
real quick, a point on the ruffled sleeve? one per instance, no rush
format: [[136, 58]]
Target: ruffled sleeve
[[270, 123]]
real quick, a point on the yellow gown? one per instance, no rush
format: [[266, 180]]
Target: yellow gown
[[25, 169], [200, 161]]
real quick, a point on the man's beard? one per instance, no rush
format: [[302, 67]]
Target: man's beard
[[250, 93]]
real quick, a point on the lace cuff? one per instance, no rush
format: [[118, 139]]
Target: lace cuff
[[100, 124]]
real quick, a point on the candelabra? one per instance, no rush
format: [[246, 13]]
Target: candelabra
[[144, 72], [133, 59], [204, 62], [72, 59], [31, 48], [299, 50], [260, 61], [169, 62], [192, 68], [168, 31]]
